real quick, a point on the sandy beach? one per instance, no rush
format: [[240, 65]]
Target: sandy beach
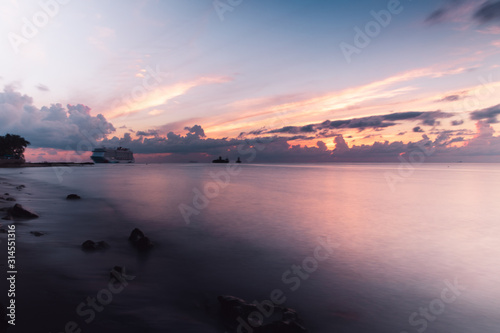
[[60, 287], [54, 275]]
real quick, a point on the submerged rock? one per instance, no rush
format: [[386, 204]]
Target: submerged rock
[[236, 312], [90, 245], [73, 197], [37, 233], [135, 235], [234, 307], [10, 199], [117, 270], [139, 240], [144, 244], [18, 211], [119, 274], [20, 187]]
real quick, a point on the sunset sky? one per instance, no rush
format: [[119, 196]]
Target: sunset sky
[[304, 80]]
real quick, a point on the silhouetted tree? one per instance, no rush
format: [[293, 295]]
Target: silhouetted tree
[[13, 145]]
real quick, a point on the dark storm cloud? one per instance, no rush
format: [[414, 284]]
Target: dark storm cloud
[[148, 133], [480, 11], [489, 114], [195, 131], [488, 12], [428, 118], [443, 13]]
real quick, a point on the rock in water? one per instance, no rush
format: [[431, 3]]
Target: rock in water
[[18, 211], [233, 307], [235, 311], [90, 245], [117, 270], [135, 235], [73, 197], [139, 240], [37, 233], [144, 243], [118, 273]]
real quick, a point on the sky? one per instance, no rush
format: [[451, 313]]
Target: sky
[[269, 81]]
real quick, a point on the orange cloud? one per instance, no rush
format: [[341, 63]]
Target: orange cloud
[[256, 113], [140, 98]]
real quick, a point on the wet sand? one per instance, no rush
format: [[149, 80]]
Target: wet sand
[[54, 275]]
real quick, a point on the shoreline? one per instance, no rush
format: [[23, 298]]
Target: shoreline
[[54, 275], [45, 164]]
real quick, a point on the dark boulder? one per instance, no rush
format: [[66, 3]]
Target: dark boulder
[[135, 235], [73, 197], [10, 199], [19, 212], [117, 270], [144, 244], [139, 240], [90, 245], [234, 310], [118, 273], [234, 307]]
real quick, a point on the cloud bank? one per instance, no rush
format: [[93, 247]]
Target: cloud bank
[[74, 128], [56, 126]]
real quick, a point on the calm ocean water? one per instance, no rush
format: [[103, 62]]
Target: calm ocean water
[[411, 250]]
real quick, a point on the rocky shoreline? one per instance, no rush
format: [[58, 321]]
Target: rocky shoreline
[[18, 206]]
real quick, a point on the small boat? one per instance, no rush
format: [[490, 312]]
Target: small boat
[[220, 160]]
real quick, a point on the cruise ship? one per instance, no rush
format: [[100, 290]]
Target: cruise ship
[[112, 155]]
